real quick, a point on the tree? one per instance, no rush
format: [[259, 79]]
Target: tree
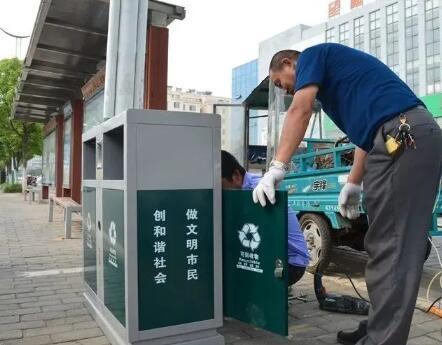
[[19, 141]]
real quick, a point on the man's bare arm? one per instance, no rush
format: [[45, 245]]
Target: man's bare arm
[[357, 170], [296, 123]]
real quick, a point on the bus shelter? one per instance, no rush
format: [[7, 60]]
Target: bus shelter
[[62, 83]]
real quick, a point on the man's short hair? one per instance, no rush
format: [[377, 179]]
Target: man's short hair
[[276, 62], [229, 164]]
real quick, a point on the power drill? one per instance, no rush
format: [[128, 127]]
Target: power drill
[[338, 303]]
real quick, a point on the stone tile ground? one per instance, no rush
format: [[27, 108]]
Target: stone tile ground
[[49, 309]]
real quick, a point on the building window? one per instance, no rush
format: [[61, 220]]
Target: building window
[[393, 37], [176, 105], [192, 107], [412, 45], [330, 35], [344, 34], [375, 33], [432, 45], [358, 27]]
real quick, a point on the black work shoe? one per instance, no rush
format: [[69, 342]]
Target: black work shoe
[[351, 338]]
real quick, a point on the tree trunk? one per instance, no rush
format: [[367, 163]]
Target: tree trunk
[[25, 144]]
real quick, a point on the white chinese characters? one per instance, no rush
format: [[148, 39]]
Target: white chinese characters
[[192, 214], [159, 231], [192, 228], [160, 278], [192, 259], [159, 246], [192, 274], [160, 216], [192, 244], [159, 262]]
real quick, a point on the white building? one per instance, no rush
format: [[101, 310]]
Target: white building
[[404, 34], [191, 100]]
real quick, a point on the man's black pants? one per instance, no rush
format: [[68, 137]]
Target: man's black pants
[[399, 195]]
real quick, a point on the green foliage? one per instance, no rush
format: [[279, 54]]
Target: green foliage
[[21, 140], [12, 188]]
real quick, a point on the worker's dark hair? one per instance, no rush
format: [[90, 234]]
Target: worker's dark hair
[[229, 164], [276, 62]]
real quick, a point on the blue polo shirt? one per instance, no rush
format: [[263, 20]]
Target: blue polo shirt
[[356, 90], [297, 247]]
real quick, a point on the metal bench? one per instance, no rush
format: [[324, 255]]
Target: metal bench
[[69, 206], [32, 191]]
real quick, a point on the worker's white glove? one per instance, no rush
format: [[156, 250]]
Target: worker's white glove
[[349, 200], [266, 187]]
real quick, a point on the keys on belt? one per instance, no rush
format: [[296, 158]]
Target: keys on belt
[[403, 138]]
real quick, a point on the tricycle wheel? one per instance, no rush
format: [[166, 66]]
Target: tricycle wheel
[[319, 243]]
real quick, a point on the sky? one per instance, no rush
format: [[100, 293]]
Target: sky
[[18, 18], [215, 36]]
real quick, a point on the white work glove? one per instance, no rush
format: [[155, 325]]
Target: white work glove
[[349, 200], [267, 185]]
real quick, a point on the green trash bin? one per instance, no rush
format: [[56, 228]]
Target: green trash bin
[[152, 199]]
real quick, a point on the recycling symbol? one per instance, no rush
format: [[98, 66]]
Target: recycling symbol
[[249, 236], [89, 222], [113, 233]]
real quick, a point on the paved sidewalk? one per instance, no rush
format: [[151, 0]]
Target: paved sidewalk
[[41, 291]]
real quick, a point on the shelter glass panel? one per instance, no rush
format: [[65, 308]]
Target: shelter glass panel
[[48, 177], [93, 111]]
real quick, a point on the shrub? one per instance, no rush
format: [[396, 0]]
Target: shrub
[[12, 188]]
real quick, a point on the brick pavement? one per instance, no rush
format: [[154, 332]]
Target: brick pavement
[[49, 309]]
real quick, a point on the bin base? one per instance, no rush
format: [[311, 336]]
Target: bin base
[[207, 337]]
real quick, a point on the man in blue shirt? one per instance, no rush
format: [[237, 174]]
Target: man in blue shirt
[[234, 176], [399, 160]]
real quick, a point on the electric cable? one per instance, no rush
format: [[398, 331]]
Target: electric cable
[[434, 278], [432, 304], [354, 287], [12, 35], [351, 282], [428, 290]]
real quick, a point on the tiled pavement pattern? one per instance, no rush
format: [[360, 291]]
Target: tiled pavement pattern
[[49, 309]]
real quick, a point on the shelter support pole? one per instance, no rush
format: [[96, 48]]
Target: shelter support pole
[[155, 95], [59, 155], [77, 130]]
